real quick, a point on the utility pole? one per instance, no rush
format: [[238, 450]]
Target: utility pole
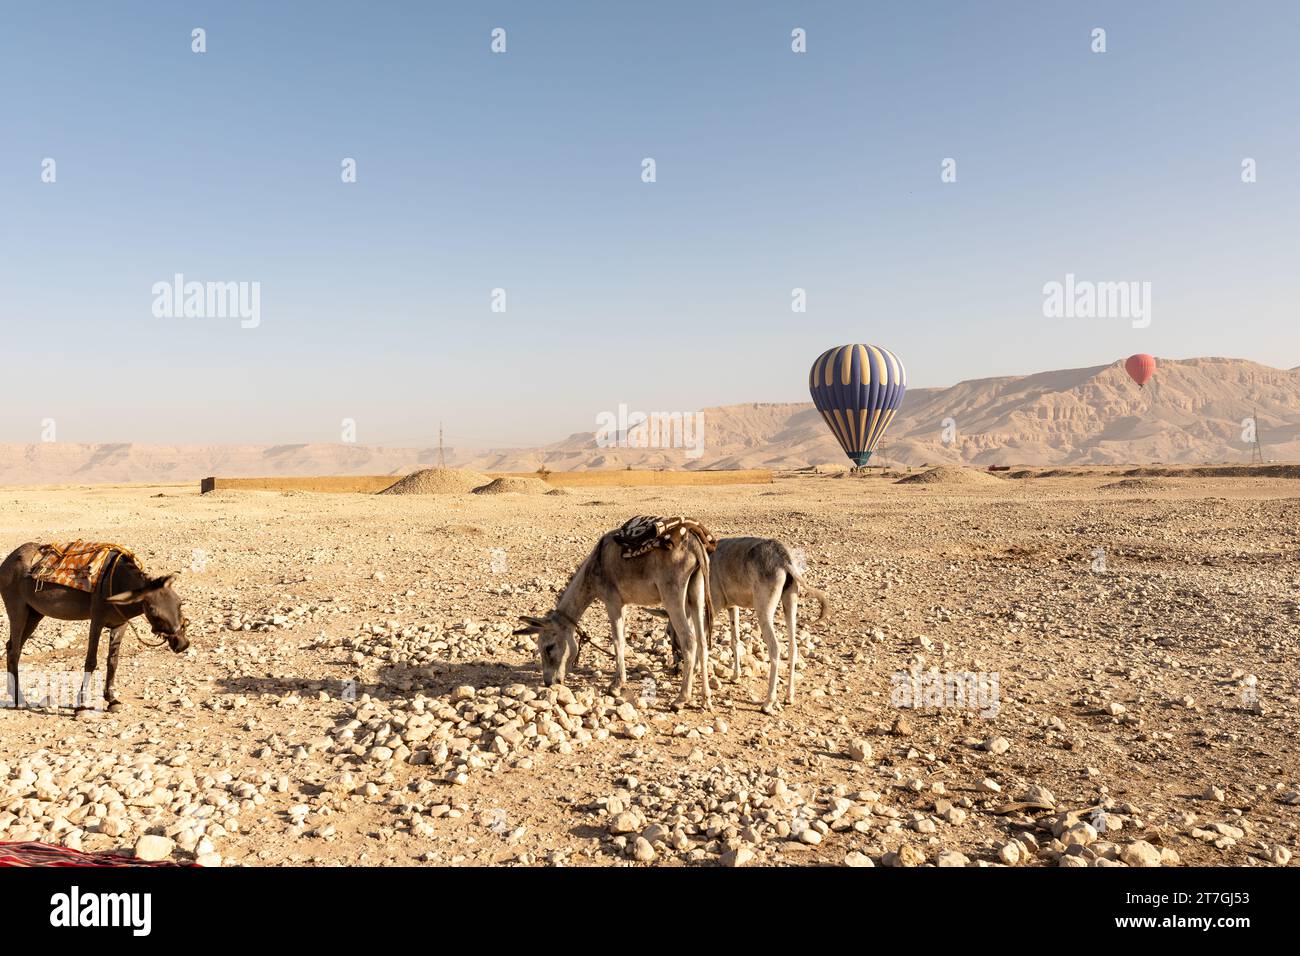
[[442, 458], [1256, 451]]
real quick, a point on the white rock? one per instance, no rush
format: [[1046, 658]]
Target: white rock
[[1081, 834], [737, 857], [1140, 853], [153, 848]]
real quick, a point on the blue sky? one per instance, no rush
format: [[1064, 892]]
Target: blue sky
[[523, 171]]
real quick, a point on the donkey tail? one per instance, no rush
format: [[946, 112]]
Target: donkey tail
[[820, 596], [703, 569]]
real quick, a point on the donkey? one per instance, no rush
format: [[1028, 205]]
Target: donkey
[[676, 578], [136, 593], [759, 573]]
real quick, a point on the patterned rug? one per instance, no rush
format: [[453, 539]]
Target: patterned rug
[[644, 532], [77, 565], [42, 854]]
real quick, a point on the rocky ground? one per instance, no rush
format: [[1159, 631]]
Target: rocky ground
[[1031, 672]]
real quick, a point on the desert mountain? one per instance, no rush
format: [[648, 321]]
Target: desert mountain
[[1196, 410]]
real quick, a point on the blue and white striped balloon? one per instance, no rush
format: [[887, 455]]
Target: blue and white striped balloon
[[857, 388]]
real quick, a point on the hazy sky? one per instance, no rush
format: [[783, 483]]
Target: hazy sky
[[523, 171]]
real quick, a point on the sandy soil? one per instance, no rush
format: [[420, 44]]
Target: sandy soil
[[354, 692]]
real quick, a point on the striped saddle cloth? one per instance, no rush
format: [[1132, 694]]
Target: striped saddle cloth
[[77, 565], [42, 854], [643, 533]]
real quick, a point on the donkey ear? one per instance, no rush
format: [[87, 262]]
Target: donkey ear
[[128, 597], [136, 595]]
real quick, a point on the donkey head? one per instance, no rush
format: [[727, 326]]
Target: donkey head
[[162, 608], [557, 645]]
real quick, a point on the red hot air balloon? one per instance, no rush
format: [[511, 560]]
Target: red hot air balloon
[[1140, 368]]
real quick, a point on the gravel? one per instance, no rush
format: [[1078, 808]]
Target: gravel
[[354, 691]]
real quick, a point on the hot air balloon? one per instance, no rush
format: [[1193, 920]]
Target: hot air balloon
[[857, 388], [1140, 368]]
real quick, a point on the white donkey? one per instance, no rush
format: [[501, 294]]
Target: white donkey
[[675, 577], [760, 573]]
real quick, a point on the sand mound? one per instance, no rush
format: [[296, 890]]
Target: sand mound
[[946, 475], [1222, 471], [1137, 484], [522, 486], [437, 481]]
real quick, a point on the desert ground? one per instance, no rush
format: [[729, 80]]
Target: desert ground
[[354, 693]]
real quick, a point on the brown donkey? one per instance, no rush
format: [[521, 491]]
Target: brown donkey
[[134, 593]]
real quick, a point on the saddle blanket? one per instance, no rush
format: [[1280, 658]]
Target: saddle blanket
[[77, 565], [644, 532], [42, 854]]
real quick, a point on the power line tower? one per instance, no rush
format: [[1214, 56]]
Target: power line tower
[[442, 458], [1256, 450]]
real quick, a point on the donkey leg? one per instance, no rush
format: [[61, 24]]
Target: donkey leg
[[19, 616], [677, 614], [696, 585], [765, 611], [92, 660], [676, 667], [616, 618], [791, 603], [735, 643], [114, 647]]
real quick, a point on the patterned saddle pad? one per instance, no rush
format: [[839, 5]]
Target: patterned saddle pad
[[645, 532], [42, 854], [77, 565]]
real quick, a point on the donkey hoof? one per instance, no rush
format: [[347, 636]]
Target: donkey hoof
[[85, 714], [114, 706], [770, 708]]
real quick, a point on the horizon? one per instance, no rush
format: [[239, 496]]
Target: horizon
[[472, 450], [776, 171], [424, 445]]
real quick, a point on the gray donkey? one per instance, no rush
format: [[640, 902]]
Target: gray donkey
[[760, 573], [135, 593], [676, 578]]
